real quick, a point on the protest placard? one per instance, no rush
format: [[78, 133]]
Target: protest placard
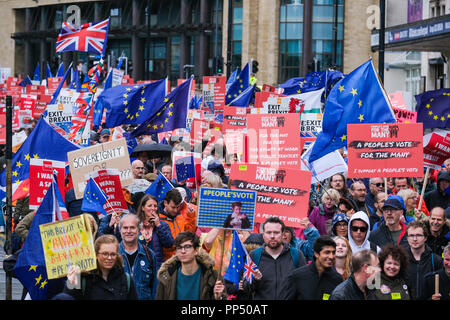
[[310, 126], [436, 149], [2, 128], [26, 107], [68, 242], [213, 91], [262, 96], [224, 208], [61, 115], [109, 181], [234, 128], [41, 177], [385, 150], [177, 155], [108, 155], [274, 140], [282, 192], [405, 116]]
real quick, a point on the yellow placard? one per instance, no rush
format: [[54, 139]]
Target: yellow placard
[[68, 242]]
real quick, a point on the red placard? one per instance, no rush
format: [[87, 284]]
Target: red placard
[[41, 177], [34, 89], [274, 140], [53, 83], [234, 127], [385, 150], [216, 86], [27, 104], [282, 192], [109, 181], [41, 105], [2, 128], [436, 149]]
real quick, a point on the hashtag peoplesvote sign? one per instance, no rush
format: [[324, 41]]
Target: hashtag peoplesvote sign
[[385, 150]]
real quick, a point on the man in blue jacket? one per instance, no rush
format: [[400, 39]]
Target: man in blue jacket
[[139, 261]]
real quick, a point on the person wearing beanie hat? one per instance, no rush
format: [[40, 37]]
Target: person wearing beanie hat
[[439, 197], [391, 229], [339, 225]]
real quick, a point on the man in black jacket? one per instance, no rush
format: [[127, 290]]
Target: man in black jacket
[[359, 286], [428, 284], [318, 279], [438, 197], [438, 227]]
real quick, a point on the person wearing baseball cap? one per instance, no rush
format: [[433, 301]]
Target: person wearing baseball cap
[[392, 227]]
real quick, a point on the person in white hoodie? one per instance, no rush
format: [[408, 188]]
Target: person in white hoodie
[[358, 233]]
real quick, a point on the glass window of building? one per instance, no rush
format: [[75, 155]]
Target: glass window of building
[[236, 43]]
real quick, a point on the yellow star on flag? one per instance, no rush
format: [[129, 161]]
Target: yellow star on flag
[[27, 157], [360, 103], [43, 283], [38, 279], [361, 117], [33, 267], [18, 164], [354, 92], [344, 137], [341, 88]]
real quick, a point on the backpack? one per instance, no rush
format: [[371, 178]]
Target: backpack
[[293, 251]]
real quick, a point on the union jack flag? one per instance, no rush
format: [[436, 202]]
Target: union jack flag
[[249, 269], [89, 37]]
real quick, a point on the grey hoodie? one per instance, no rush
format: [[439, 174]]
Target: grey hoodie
[[360, 215]]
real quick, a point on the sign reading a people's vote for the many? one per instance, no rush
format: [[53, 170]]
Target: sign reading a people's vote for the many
[[68, 242], [108, 155], [281, 192], [228, 209], [385, 150]]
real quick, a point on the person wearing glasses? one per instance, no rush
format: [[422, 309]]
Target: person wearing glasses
[[189, 274], [359, 232], [421, 259], [391, 229], [411, 199], [108, 282]]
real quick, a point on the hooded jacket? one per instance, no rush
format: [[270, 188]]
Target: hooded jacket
[[438, 197], [167, 277], [360, 215]]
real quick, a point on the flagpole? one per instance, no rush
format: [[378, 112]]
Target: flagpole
[[8, 222], [425, 181]]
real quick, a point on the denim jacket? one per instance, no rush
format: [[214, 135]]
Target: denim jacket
[[143, 272]]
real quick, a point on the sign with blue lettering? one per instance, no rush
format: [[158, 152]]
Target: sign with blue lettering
[[228, 209]]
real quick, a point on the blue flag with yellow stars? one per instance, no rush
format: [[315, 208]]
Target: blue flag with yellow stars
[[311, 82], [240, 83], [185, 168], [37, 73], [237, 260], [357, 98], [170, 114], [61, 83], [132, 104], [159, 187], [433, 108], [243, 100], [75, 82], [60, 72], [48, 72], [44, 142], [30, 267], [94, 198]]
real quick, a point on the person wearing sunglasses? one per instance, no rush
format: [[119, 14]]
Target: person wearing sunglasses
[[189, 274], [359, 232], [391, 229]]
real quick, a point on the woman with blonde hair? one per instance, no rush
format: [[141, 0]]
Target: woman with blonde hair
[[321, 216], [411, 199], [343, 262], [108, 282]]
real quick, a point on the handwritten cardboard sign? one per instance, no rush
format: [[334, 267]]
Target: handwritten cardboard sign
[[405, 116], [108, 155], [68, 242], [282, 192], [385, 150]]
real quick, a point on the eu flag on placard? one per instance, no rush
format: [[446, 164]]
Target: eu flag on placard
[[159, 187], [357, 98], [170, 114], [30, 267], [94, 198], [237, 260], [240, 83], [185, 168], [42, 143], [433, 108], [132, 104], [243, 100]]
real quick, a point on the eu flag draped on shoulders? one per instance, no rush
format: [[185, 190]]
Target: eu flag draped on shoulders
[[44, 142], [357, 98], [433, 108], [240, 83], [94, 198], [170, 114], [30, 267], [159, 187], [132, 104]]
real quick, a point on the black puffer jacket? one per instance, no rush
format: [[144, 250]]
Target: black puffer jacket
[[349, 290]]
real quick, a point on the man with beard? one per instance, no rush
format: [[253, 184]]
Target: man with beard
[[318, 279], [358, 194], [275, 261]]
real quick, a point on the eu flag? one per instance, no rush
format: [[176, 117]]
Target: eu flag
[[433, 108], [185, 168], [237, 260], [243, 100], [132, 104], [311, 82], [75, 82], [357, 98], [60, 72], [58, 89], [48, 72], [240, 83], [159, 187], [37, 73], [30, 267], [94, 198], [44, 143], [25, 82], [170, 114]]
